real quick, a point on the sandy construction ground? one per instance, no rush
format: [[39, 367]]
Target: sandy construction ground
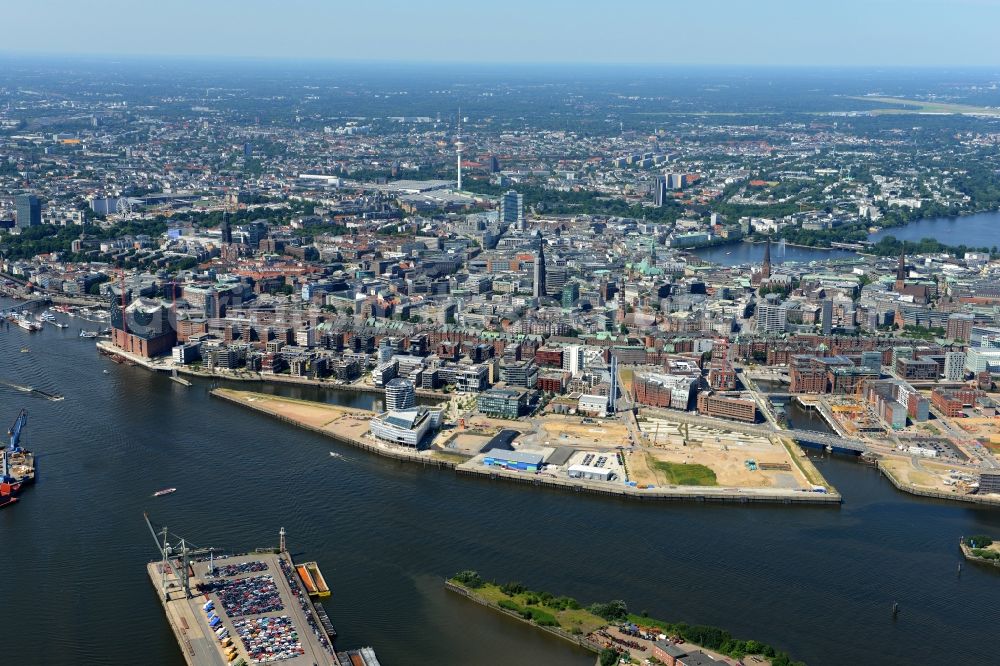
[[468, 443], [917, 472], [724, 452], [561, 430], [730, 467], [334, 418]]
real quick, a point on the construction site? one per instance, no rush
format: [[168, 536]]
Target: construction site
[[659, 460], [681, 453]]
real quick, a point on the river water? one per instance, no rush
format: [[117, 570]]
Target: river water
[[818, 582]]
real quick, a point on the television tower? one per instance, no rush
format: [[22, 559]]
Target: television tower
[[458, 149]]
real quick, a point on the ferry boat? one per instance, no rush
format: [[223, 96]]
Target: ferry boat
[[165, 491]]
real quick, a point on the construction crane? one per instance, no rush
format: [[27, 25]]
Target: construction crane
[[15, 432]]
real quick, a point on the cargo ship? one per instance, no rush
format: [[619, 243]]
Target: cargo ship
[[313, 579]]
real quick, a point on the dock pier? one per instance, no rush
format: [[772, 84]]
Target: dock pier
[[243, 609]]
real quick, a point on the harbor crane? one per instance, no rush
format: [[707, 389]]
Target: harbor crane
[[181, 551], [9, 485], [15, 432]]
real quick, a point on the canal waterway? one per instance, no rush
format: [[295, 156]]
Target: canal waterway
[[818, 582]]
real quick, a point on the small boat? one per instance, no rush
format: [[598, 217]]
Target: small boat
[[106, 372], [165, 491], [335, 455], [25, 350]]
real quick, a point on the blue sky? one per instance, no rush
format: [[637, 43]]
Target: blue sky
[[709, 32]]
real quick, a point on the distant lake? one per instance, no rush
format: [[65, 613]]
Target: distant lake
[[979, 230], [733, 254]]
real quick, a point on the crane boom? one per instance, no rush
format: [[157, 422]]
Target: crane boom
[[15, 431]]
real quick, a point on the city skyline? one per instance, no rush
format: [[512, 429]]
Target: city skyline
[[361, 289], [887, 33]]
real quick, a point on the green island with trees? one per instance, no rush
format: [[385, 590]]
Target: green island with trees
[[575, 621], [982, 549]]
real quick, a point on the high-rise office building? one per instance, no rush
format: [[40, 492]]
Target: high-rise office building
[[573, 359], [660, 191], [399, 394], [954, 366], [570, 294], [512, 209], [555, 278], [771, 317], [29, 211], [385, 350], [827, 316]]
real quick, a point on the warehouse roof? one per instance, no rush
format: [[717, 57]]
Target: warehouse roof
[[516, 456], [501, 441], [560, 456]]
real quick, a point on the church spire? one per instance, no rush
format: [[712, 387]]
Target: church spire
[[539, 276], [901, 271], [765, 268]]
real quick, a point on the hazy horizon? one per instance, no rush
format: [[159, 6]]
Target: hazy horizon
[[852, 33]]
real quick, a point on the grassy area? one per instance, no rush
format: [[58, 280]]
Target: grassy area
[[626, 376], [811, 473], [546, 610], [686, 474], [456, 458]]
